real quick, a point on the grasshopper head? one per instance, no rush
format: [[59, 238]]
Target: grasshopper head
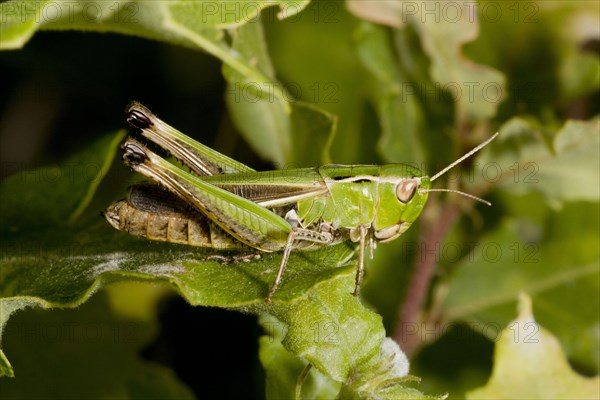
[[403, 192]]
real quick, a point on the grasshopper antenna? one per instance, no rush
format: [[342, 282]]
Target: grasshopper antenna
[[479, 199], [469, 154], [452, 165]]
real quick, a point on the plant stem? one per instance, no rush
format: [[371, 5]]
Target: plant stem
[[408, 332]]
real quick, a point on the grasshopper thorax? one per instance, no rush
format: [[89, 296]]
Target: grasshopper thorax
[[384, 199]]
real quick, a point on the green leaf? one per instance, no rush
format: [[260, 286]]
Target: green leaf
[[283, 370], [521, 162], [529, 364], [7, 308], [579, 69], [477, 89], [259, 109], [69, 188], [192, 23], [580, 75], [387, 378], [230, 14], [33, 200], [343, 334], [399, 112], [313, 132], [136, 300], [298, 132], [329, 75]]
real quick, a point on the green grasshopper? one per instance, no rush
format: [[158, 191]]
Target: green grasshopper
[[223, 204]]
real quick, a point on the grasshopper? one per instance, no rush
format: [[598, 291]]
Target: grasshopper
[[224, 204]]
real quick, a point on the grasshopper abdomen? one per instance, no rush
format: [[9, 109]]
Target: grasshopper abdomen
[[155, 214]]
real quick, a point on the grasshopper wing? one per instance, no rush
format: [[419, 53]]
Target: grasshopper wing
[[244, 219]]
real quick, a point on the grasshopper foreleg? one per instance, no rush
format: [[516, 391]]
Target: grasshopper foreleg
[[297, 234]]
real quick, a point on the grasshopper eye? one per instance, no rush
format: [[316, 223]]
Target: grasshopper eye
[[406, 189]]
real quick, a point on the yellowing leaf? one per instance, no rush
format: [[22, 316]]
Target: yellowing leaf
[[444, 28], [559, 271], [521, 162], [530, 364]]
